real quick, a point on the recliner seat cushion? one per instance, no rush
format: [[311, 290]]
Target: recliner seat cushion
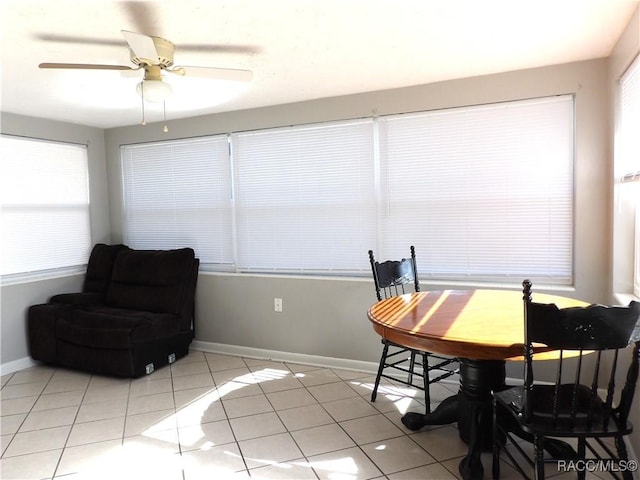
[[114, 328]]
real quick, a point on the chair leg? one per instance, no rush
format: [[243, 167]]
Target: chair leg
[[412, 366], [621, 448], [383, 360], [582, 453], [495, 465], [538, 455], [425, 381]]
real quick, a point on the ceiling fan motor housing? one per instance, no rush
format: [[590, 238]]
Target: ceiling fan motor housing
[[165, 50]]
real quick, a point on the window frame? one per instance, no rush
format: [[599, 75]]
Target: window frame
[[60, 258], [171, 154], [627, 171], [477, 128], [344, 147]]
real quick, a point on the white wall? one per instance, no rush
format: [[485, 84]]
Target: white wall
[[15, 299]]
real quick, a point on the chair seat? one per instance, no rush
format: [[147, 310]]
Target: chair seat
[[588, 418]]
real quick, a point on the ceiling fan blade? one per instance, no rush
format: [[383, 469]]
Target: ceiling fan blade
[[215, 73], [218, 48], [143, 16], [142, 46], [191, 47], [46, 37], [85, 66]]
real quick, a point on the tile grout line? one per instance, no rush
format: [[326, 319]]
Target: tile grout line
[[304, 456], [359, 445], [55, 470], [264, 391]]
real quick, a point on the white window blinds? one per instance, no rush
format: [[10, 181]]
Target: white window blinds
[[178, 194], [45, 205], [627, 161], [305, 197], [484, 193], [628, 157]]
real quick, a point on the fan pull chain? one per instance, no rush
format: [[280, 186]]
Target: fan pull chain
[[144, 122], [165, 129]]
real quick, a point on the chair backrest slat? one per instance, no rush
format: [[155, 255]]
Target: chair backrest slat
[[611, 387], [595, 386], [556, 391], [575, 392]]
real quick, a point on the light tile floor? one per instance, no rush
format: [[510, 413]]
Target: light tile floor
[[211, 416]]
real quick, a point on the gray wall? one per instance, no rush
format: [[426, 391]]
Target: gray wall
[[327, 316], [16, 298], [627, 48], [320, 317]]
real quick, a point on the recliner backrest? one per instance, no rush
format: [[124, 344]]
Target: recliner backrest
[[100, 267], [161, 281]]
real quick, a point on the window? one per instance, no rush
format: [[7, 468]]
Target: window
[[178, 194], [627, 163], [484, 193], [636, 271], [305, 198], [45, 206]]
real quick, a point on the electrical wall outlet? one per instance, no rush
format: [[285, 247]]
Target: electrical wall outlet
[[277, 304]]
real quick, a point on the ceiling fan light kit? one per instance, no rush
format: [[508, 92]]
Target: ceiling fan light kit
[[154, 90]]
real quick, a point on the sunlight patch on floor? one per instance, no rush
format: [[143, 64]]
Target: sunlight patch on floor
[[193, 412], [402, 397]]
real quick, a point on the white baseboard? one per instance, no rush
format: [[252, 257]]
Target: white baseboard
[[301, 358], [16, 365]]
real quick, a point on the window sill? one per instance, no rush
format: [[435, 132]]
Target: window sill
[[625, 298], [31, 277]]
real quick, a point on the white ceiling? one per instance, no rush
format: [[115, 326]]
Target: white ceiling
[[297, 49]]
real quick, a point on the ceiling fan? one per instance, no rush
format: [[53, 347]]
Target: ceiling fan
[[155, 56]]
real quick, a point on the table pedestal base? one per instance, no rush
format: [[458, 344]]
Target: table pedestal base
[[471, 408]]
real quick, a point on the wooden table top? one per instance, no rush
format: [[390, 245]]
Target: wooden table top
[[475, 324]]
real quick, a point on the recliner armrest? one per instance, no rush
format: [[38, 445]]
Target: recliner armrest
[[84, 298]]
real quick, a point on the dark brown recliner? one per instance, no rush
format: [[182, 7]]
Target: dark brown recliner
[[135, 313]]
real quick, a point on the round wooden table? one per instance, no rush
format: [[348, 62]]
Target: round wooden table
[[483, 328]]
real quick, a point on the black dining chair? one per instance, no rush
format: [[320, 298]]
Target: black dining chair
[[584, 404], [397, 277]]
